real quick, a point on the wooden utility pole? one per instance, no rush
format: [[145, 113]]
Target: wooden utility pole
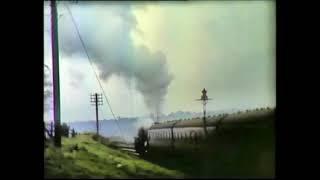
[[55, 67], [96, 99]]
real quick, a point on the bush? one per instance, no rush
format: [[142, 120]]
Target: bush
[[95, 137], [74, 148], [83, 149]]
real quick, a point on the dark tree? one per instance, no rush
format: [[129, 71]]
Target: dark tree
[[73, 133], [65, 130]]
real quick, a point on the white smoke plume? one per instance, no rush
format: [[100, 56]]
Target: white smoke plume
[[106, 31]]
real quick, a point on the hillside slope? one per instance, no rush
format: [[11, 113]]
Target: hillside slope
[[95, 160]]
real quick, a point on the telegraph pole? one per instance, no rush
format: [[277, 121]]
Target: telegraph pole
[[55, 67], [96, 100]]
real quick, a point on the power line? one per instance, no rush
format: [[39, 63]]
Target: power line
[[96, 75]]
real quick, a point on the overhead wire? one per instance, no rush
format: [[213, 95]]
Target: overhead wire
[[96, 75]]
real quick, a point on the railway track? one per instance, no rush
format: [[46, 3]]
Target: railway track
[[128, 148]]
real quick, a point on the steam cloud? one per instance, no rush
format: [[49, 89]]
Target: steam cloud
[[108, 41], [77, 77]]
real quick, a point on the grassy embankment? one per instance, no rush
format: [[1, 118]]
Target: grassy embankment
[[94, 159]]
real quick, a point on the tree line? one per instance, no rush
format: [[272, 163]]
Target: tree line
[[65, 131]]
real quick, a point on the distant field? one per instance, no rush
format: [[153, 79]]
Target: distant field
[[95, 160]]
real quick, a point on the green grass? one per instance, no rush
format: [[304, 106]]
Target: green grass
[[96, 160]]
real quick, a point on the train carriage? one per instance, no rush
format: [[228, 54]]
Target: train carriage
[[190, 133], [241, 143]]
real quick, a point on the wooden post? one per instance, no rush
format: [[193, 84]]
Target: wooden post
[[55, 67], [97, 118], [96, 100]]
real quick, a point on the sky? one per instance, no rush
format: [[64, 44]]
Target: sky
[[158, 56]]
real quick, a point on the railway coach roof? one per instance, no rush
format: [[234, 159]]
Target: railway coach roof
[[168, 124], [250, 116], [240, 117], [196, 122]]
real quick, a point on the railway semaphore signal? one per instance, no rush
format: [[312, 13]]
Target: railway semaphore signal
[[204, 98]]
